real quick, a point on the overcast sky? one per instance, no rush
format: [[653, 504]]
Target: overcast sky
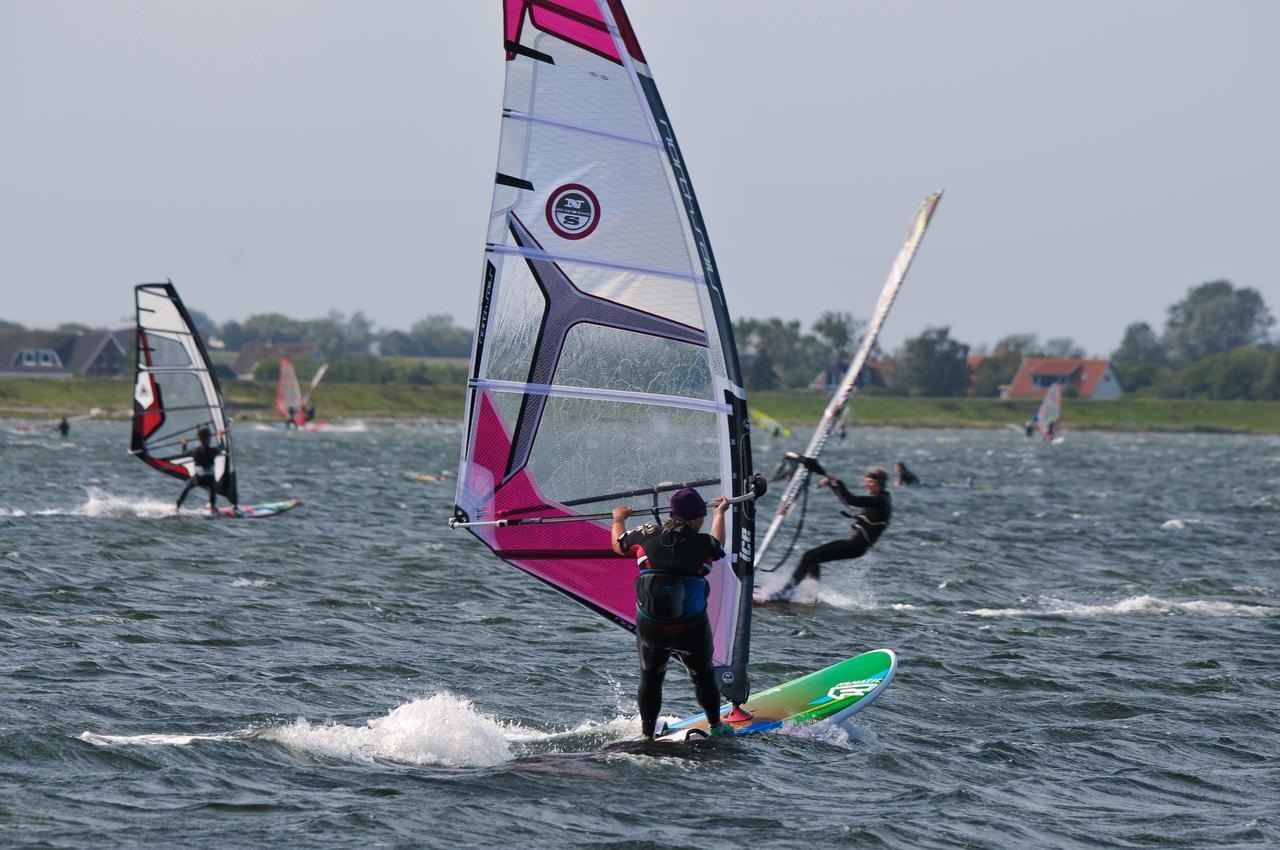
[[1099, 157]]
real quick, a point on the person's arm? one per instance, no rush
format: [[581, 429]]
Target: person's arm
[[620, 515], [721, 507], [841, 491]]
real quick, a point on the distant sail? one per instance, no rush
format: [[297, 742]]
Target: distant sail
[[289, 394], [770, 424], [604, 369], [175, 390], [1050, 409], [835, 407], [315, 382]]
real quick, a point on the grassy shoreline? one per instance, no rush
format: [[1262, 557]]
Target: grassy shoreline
[[37, 398]]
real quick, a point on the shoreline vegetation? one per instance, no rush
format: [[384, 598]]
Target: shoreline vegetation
[[254, 401]]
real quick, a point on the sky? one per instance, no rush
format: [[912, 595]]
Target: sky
[[1099, 157]]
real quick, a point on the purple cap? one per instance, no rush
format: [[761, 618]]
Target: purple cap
[[687, 504]]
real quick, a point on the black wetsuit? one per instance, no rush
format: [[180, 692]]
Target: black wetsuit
[[907, 478], [671, 613], [204, 457], [64, 427], [867, 528]]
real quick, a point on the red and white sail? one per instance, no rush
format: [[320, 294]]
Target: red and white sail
[[289, 394], [175, 390], [604, 370]]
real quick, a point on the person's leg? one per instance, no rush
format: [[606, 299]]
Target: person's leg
[[213, 496], [695, 648], [186, 488], [654, 655], [832, 550]]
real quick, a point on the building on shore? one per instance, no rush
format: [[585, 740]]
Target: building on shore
[[60, 354], [1094, 379]]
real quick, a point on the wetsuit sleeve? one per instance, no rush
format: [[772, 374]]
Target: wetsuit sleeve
[[843, 494], [628, 541], [714, 550]]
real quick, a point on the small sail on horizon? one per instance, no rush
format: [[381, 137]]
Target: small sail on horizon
[[289, 401], [836, 407], [1050, 411], [604, 369], [175, 390]]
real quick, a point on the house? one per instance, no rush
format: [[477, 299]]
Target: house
[[1089, 378], [58, 354], [254, 353]]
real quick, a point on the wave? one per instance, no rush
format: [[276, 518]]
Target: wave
[[1145, 604], [101, 505], [441, 729], [438, 730]]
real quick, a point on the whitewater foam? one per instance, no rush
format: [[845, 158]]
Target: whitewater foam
[[1145, 604], [441, 729]]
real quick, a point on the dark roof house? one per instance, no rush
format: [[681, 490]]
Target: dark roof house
[[57, 354]]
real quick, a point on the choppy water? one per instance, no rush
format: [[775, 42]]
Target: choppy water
[[1088, 647]]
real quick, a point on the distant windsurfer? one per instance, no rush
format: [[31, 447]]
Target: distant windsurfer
[[868, 525], [291, 421], [1030, 426], [671, 600], [310, 413], [205, 458], [906, 478], [1051, 430], [63, 426]]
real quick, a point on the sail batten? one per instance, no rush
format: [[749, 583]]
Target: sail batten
[[604, 359]]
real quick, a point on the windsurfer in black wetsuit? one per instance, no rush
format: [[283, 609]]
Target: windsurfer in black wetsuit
[[876, 506], [671, 600], [63, 427], [906, 478], [205, 457], [291, 421]]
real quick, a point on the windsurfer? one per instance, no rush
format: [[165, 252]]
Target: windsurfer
[[63, 427], [868, 525], [671, 600], [906, 477], [204, 456], [291, 421]]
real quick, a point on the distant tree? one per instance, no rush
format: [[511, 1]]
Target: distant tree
[[840, 332], [1215, 318], [1226, 376], [1141, 357], [267, 370], [10, 326], [760, 374], [933, 364], [995, 371], [233, 335], [434, 336], [1268, 386], [1020, 343], [205, 326], [72, 328], [1063, 346]]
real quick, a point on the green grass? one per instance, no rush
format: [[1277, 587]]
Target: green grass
[[444, 399]]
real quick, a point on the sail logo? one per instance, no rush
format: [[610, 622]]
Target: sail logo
[[861, 688], [573, 211]]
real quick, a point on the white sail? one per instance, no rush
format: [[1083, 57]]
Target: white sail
[[835, 407], [604, 369]]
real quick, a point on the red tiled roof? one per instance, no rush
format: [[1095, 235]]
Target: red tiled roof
[[1082, 374]]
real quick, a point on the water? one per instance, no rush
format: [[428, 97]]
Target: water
[[1088, 643]]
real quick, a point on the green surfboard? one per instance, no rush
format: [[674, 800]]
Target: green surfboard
[[832, 693]]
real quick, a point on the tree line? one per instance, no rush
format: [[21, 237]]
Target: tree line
[[1216, 343]]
